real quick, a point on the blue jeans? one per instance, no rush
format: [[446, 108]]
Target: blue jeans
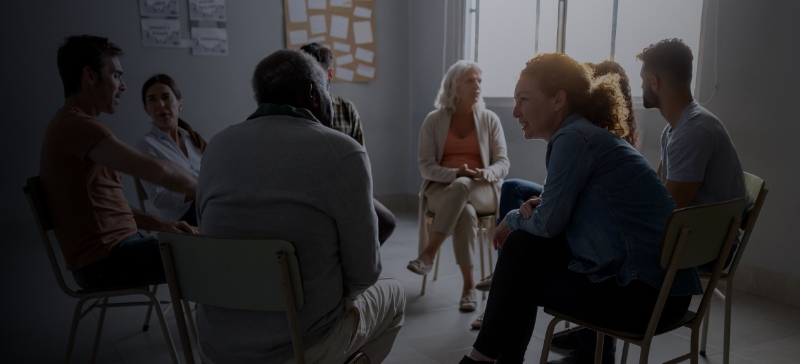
[[514, 193], [135, 261]]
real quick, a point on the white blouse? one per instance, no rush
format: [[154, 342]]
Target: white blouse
[[158, 144]]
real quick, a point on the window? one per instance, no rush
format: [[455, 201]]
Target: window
[[507, 33]]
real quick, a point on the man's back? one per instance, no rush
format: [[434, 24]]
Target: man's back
[[284, 175], [700, 150]]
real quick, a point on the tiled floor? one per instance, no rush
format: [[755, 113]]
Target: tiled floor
[[36, 316]]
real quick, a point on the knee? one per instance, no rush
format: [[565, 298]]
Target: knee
[[509, 186], [461, 185]]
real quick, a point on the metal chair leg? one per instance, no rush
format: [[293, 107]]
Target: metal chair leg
[[726, 341], [436, 268], [99, 329], [480, 248], [164, 329], [704, 335], [149, 311], [76, 318], [424, 281]]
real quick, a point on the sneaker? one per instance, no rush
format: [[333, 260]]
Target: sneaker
[[476, 325], [485, 284], [567, 342], [468, 303], [419, 267], [582, 356]]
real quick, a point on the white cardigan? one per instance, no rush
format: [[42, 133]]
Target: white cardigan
[[432, 137]]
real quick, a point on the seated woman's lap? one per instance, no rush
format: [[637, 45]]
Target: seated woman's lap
[[533, 272]]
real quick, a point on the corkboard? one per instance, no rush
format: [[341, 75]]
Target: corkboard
[[355, 58]]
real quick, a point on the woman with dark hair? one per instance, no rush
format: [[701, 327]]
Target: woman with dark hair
[[170, 138], [589, 246]]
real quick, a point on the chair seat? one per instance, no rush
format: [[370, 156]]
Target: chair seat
[[483, 216], [708, 275], [687, 319]]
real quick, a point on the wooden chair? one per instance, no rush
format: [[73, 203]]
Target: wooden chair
[[485, 226], [33, 191], [693, 236], [244, 274], [757, 192]]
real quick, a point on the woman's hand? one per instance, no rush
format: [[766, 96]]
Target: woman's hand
[[501, 232], [486, 175], [464, 171], [182, 226], [526, 209]]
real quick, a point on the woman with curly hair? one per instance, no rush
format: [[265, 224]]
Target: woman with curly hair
[[589, 246]]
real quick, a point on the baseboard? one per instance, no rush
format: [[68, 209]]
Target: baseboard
[[762, 282], [400, 203]]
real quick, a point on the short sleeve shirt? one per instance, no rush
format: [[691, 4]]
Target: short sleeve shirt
[[89, 211], [699, 149]]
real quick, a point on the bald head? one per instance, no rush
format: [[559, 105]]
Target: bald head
[[294, 78]]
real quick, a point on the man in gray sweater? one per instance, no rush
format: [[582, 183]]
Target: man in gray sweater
[[284, 173]]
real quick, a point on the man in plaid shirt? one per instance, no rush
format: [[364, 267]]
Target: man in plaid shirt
[[346, 120]]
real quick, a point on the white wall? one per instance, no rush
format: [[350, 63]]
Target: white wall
[[216, 90]]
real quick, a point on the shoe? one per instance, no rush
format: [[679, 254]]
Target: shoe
[[567, 342], [582, 356], [419, 267], [468, 303], [485, 284], [467, 360], [476, 325]]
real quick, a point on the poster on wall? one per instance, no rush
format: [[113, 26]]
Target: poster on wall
[[207, 10], [158, 8], [161, 32], [209, 41], [347, 27]]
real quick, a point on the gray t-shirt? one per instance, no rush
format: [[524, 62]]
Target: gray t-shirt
[[700, 150], [282, 174]]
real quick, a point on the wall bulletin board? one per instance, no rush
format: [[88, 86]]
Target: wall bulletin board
[[346, 27]]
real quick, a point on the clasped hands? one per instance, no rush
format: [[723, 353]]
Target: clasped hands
[[477, 173], [502, 231]]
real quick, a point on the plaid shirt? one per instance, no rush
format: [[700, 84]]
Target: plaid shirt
[[346, 119]]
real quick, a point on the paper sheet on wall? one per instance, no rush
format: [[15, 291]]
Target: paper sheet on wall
[[342, 3], [318, 24], [343, 60], [339, 26], [362, 31], [364, 55], [158, 8], [344, 47], [362, 12], [317, 4], [366, 71], [297, 11], [161, 32], [319, 39], [207, 10], [345, 74], [210, 41], [298, 37]]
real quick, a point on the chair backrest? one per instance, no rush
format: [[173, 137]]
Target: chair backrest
[[708, 226], [694, 236], [35, 195], [233, 273], [757, 194], [141, 194]]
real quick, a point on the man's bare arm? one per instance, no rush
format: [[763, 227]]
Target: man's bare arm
[[683, 193], [149, 222], [112, 153]]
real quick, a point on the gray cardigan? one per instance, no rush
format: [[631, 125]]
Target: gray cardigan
[[432, 137], [282, 174]]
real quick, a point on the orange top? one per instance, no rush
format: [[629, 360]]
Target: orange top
[[458, 152]]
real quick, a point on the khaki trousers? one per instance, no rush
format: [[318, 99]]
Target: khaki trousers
[[457, 205], [370, 324]]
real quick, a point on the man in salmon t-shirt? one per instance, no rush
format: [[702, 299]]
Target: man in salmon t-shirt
[[81, 168]]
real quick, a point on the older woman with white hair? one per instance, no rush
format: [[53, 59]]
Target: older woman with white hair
[[462, 157]]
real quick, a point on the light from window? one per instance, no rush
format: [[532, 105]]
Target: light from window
[[507, 34]]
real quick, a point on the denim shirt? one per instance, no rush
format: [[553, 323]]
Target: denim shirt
[[607, 200]]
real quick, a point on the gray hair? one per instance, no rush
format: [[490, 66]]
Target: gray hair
[[447, 98], [283, 77]]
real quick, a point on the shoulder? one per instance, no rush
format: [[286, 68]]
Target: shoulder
[[146, 142], [436, 116], [71, 118], [488, 116], [337, 100]]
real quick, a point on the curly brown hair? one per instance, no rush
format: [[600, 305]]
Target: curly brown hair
[[606, 67], [598, 99]]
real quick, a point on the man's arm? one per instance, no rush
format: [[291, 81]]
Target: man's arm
[[683, 193], [112, 153], [149, 222]]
